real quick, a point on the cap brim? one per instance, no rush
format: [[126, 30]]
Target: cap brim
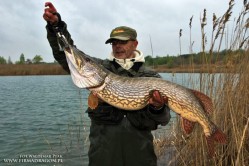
[[117, 38]]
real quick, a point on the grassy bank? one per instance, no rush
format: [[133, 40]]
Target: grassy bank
[[31, 69], [214, 68]]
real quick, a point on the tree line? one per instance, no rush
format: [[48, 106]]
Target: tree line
[[22, 60], [224, 56]]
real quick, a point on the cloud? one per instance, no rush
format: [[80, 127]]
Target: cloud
[[22, 28]]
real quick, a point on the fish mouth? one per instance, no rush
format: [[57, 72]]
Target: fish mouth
[[73, 58], [68, 50]]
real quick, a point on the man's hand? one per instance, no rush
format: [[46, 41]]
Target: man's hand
[[50, 13], [156, 100]]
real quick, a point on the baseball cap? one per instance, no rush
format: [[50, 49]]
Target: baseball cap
[[122, 33]]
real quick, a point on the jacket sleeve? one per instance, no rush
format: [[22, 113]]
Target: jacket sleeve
[[58, 54]]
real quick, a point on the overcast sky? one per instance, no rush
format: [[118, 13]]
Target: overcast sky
[[22, 28]]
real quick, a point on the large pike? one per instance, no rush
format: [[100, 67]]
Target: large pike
[[133, 93]]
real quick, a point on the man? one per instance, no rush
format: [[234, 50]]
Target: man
[[117, 137]]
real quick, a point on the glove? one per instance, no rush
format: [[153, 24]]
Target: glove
[[156, 100], [50, 14]]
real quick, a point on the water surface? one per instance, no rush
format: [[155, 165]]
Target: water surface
[[43, 117]]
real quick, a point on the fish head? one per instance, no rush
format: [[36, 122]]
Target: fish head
[[85, 72]]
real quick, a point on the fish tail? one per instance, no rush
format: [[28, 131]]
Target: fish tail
[[217, 136]]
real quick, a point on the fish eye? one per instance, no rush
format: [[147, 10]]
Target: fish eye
[[87, 59]]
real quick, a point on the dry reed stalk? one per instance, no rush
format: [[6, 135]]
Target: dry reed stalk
[[230, 94], [191, 43], [243, 139], [180, 35]]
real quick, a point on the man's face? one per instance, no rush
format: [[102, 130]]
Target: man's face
[[124, 49]]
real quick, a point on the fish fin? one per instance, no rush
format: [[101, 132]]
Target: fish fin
[[93, 101], [204, 100], [217, 136], [210, 146], [166, 99], [187, 125]]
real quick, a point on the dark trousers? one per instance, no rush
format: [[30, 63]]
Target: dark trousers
[[120, 145]]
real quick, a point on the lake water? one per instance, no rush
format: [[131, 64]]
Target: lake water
[[43, 120]]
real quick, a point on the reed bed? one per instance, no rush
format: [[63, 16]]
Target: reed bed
[[31, 69], [229, 92]]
